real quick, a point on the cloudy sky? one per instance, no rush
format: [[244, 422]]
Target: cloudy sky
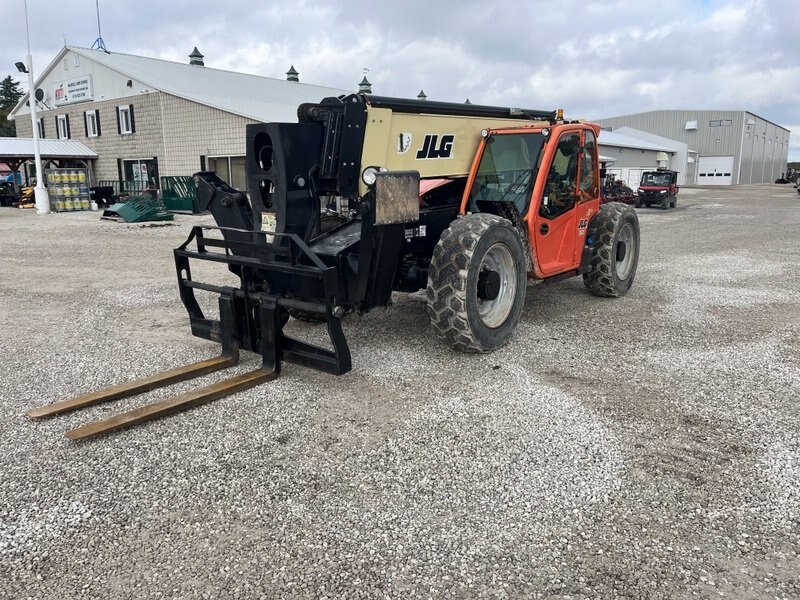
[[595, 59]]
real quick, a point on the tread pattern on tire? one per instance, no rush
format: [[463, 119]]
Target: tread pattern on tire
[[600, 279], [447, 278]]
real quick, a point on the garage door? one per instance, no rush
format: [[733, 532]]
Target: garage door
[[630, 177], [634, 177], [715, 170]]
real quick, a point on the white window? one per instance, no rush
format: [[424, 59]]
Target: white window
[[125, 119], [77, 62], [691, 125], [62, 122], [230, 169], [92, 123]]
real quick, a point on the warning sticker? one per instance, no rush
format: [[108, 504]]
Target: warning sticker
[[268, 223]]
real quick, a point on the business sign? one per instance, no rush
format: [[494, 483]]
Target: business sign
[[73, 90]]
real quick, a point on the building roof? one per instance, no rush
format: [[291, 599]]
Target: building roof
[[618, 140], [252, 96], [14, 147], [673, 145], [701, 111]]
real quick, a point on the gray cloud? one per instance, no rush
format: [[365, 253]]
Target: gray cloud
[[595, 59]]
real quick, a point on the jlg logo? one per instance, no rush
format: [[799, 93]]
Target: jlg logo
[[429, 149]]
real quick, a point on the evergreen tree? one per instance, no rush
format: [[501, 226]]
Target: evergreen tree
[[10, 93]]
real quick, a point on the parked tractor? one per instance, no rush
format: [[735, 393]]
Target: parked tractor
[[367, 195]]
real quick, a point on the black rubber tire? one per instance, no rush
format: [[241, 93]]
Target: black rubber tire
[[614, 225], [638, 202], [454, 308], [330, 221], [673, 202]]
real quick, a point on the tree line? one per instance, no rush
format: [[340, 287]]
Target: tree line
[[10, 93]]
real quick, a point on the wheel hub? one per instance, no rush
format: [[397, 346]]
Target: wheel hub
[[488, 285], [621, 249], [497, 285], [625, 251]]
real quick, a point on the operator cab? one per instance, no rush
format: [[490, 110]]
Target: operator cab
[[510, 165]]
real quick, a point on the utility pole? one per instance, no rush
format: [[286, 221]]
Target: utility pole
[[40, 192]]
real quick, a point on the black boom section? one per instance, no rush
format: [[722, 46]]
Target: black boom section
[[430, 107], [289, 165], [281, 162]]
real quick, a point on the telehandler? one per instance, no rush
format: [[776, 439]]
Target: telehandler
[[366, 195]]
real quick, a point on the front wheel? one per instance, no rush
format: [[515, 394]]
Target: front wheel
[[476, 283], [615, 252]]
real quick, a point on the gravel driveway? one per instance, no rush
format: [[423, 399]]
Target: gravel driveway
[[644, 447]]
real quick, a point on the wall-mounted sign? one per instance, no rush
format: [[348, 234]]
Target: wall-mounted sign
[[73, 90]]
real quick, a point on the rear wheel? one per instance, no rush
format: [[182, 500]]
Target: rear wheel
[[476, 283], [615, 254]]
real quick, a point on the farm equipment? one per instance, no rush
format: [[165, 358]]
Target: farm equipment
[[614, 190], [365, 196], [658, 187]]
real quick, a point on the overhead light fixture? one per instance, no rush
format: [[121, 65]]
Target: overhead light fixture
[[21, 67]]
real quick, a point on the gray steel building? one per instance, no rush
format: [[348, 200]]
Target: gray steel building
[[725, 146]]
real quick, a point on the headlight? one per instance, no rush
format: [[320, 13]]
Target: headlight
[[641, 192], [369, 175], [663, 192]]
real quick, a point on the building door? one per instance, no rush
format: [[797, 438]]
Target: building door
[[634, 177], [715, 170], [139, 174]]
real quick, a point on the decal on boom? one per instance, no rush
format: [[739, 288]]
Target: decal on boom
[[429, 149]]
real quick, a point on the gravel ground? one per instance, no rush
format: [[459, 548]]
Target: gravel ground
[[644, 447]]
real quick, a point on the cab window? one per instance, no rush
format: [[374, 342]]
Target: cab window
[[506, 173], [589, 187], [561, 189]]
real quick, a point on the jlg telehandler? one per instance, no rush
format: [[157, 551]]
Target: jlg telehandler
[[367, 195]]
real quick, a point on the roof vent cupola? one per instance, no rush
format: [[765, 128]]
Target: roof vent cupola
[[292, 75], [365, 87], [195, 58]]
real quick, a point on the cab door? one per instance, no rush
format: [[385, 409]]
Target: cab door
[[569, 198]]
